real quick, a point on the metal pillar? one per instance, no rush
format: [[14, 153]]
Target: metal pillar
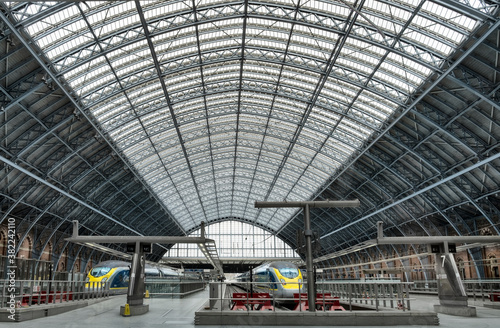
[[135, 293], [306, 205], [451, 291], [311, 295]]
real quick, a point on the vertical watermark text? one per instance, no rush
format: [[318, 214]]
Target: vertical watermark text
[[11, 267]]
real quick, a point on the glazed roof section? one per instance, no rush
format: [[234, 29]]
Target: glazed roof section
[[218, 104]]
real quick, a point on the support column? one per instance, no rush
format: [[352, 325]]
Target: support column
[[451, 291], [306, 205], [135, 294], [311, 294]]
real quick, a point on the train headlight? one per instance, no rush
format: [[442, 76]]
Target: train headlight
[[283, 281], [104, 279]]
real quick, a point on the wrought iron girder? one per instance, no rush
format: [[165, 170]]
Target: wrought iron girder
[[413, 169], [456, 127], [99, 168], [171, 23], [18, 90], [438, 198], [473, 185], [28, 131], [16, 184], [399, 167], [257, 86], [76, 169], [434, 83], [322, 102], [356, 182], [477, 83]]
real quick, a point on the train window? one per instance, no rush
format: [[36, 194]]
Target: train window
[[289, 272], [121, 279], [100, 271], [152, 273]]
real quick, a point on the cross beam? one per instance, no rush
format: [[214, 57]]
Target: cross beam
[[207, 246]]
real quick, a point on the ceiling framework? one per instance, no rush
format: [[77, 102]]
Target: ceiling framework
[[148, 118]]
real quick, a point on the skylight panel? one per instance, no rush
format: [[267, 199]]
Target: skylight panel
[[415, 67], [325, 36], [265, 103], [141, 94], [173, 40], [367, 112], [311, 52], [355, 66], [362, 46], [153, 10], [354, 128], [125, 130], [56, 20], [338, 9], [112, 112], [158, 116]]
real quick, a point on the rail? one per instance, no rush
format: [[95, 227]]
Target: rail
[[476, 289], [387, 294], [352, 295], [27, 293]]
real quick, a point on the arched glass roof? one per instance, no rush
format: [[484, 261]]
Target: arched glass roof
[[236, 240], [218, 104]]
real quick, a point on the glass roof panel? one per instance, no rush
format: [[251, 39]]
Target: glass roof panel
[[235, 116]]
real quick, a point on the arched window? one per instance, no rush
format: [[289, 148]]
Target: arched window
[[493, 266], [461, 268], [237, 239]]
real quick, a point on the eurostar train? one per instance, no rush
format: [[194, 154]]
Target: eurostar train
[[280, 279], [117, 273]]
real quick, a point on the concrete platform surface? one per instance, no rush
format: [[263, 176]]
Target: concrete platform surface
[[179, 313]]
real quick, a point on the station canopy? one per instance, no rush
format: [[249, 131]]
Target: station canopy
[[218, 104]]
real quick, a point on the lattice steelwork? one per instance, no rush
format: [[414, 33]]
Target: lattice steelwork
[[218, 104], [235, 239]]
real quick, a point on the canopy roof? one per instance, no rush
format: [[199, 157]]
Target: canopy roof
[[147, 118], [218, 104]]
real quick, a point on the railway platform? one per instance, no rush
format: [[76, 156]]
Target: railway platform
[[181, 312]]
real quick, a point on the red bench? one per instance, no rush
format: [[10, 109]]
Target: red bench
[[324, 301], [43, 297], [255, 301], [495, 297]]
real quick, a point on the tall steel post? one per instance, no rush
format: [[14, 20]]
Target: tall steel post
[[311, 279], [306, 205]]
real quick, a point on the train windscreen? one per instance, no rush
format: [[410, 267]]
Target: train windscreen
[[289, 272], [99, 271]]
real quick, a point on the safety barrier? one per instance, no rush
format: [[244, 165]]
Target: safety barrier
[[26, 293], [331, 296], [475, 289], [374, 294], [173, 288]]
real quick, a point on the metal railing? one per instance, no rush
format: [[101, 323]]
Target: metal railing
[[352, 295], [474, 288], [26, 293], [386, 294], [173, 288]]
